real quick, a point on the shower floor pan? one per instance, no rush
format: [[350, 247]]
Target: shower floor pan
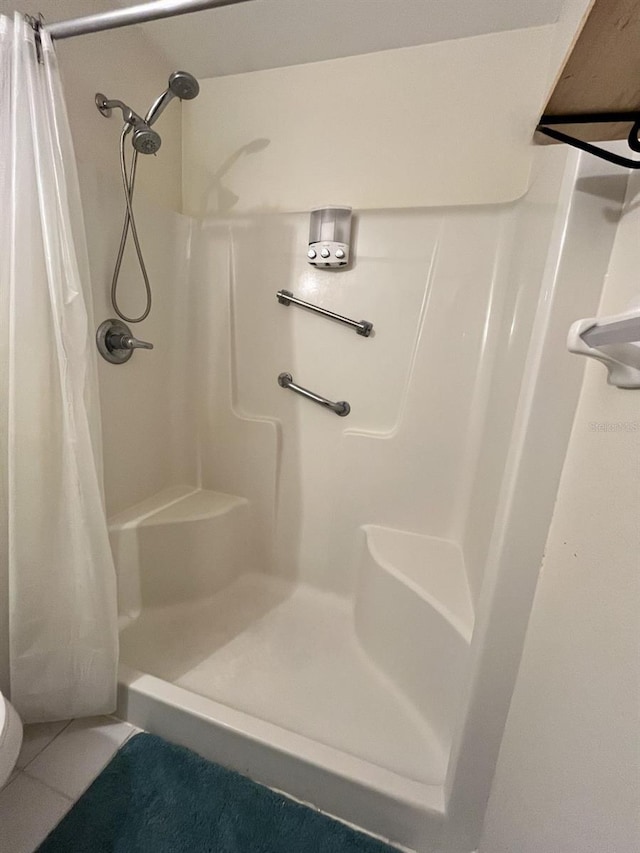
[[271, 678]]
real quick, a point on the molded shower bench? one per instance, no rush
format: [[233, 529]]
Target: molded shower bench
[[412, 595], [180, 544]]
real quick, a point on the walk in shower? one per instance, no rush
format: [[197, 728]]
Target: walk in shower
[[298, 591]]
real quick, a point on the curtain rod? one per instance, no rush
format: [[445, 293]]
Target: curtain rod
[[132, 15]]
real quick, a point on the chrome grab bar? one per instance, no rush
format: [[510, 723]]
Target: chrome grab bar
[[342, 408], [362, 327]]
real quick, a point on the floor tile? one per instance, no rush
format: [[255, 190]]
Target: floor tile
[[72, 761], [29, 811], [13, 776], [34, 739]]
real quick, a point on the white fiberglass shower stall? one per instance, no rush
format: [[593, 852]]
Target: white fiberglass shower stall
[[336, 606]]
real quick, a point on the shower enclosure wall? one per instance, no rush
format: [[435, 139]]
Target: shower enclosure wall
[[315, 600]]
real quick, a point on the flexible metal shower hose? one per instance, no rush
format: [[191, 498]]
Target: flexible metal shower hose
[[128, 183]]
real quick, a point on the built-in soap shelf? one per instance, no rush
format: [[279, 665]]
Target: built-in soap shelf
[[412, 594], [614, 341]]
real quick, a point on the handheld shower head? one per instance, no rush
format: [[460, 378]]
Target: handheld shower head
[[182, 85], [145, 140]]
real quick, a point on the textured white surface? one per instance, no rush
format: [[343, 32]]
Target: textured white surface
[[291, 657], [571, 751], [442, 124]]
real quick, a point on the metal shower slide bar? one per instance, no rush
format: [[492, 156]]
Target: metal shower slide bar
[[139, 14], [362, 327], [341, 408]]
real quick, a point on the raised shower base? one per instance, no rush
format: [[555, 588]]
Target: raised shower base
[[327, 699], [287, 655]]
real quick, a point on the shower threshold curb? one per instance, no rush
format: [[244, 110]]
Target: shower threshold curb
[[363, 794]]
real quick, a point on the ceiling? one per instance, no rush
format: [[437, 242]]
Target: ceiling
[[272, 33]]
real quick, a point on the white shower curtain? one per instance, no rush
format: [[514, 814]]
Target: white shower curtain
[[63, 644]]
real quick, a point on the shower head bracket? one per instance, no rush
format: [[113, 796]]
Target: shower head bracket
[[101, 104]]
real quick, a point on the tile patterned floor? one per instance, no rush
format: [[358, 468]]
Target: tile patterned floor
[[57, 763]]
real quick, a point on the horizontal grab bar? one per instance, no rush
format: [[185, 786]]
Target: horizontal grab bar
[[362, 327], [342, 408]]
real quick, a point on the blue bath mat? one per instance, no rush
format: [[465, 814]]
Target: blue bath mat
[[155, 797]]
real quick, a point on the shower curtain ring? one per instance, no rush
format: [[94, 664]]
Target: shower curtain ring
[[36, 25]]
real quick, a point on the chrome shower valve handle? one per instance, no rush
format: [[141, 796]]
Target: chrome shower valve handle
[[116, 343]]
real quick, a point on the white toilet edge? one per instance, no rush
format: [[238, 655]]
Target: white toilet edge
[[10, 739]]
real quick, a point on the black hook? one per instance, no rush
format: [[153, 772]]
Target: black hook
[[595, 118], [36, 25]]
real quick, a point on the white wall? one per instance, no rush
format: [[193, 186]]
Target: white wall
[[440, 288], [498, 378], [143, 404], [438, 124], [579, 251], [147, 426], [568, 776], [452, 293]]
